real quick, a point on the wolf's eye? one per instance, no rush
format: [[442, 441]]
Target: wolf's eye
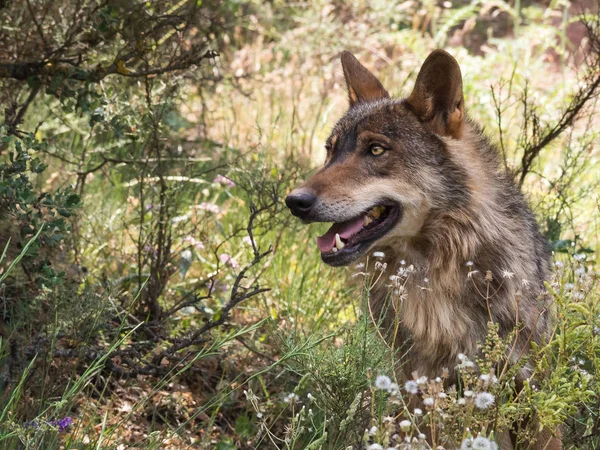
[[376, 150]]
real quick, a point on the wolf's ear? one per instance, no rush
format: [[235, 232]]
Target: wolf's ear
[[362, 84], [437, 98]]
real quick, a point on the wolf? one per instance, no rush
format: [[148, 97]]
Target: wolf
[[416, 181]]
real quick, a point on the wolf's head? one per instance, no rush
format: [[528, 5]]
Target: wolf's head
[[389, 162]]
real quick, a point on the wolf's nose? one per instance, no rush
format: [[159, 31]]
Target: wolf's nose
[[300, 203]]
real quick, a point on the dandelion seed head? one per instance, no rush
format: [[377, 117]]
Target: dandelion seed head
[[483, 400], [579, 256], [412, 387], [375, 447], [418, 412], [372, 430], [559, 264], [481, 443], [467, 444], [469, 263], [569, 287], [383, 382], [429, 401]]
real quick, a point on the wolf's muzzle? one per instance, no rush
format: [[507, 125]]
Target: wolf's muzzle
[[300, 203]]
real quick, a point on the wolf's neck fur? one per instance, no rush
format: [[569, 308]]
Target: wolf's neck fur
[[447, 305]]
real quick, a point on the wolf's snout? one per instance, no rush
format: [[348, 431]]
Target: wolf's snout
[[300, 203]]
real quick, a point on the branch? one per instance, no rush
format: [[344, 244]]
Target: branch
[[24, 71], [540, 139]]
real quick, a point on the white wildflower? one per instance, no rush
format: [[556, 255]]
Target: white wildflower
[[310, 397], [380, 266], [468, 394], [422, 436], [579, 256], [418, 412], [372, 431], [442, 395], [422, 380], [402, 262], [394, 389], [291, 398], [580, 271], [462, 401], [483, 400], [507, 274], [179, 219], [383, 382], [569, 287], [462, 356], [412, 387], [559, 264], [429, 401], [378, 255], [485, 378], [405, 425], [469, 263]]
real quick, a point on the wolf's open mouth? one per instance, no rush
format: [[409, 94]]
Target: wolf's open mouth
[[346, 241]]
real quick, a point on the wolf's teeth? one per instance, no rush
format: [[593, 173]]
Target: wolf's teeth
[[338, 242], [334, 250], [368, 220], [377, 211]]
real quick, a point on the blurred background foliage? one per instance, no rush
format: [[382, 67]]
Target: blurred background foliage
[[149, 271]]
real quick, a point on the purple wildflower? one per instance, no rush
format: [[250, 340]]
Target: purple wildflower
[[210, 207], [227, 259], [62, 424], [224, 181]]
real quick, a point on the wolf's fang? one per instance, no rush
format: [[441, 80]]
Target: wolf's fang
[[338, 242]]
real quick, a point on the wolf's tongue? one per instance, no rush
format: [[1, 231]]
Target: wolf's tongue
[[345, 229]]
